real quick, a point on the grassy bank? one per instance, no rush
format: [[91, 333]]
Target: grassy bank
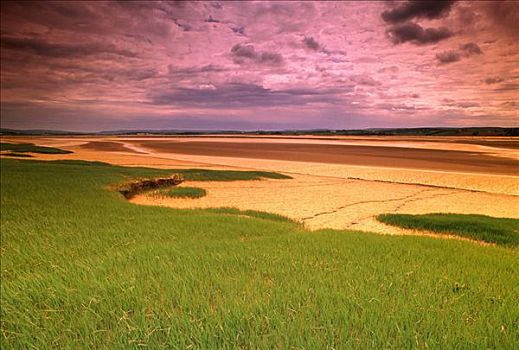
[[29, 147], [227, 175], [478, 227], [83, 268]]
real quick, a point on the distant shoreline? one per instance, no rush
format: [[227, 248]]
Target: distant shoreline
[[427, 131]]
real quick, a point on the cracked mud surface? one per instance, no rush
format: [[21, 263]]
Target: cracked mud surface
[[340, 204]]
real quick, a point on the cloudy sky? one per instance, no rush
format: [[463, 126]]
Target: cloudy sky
[[90, 66]]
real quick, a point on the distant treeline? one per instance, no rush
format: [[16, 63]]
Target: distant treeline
[[473, 131]]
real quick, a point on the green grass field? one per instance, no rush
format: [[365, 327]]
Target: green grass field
[[83, 268], [182, 192], [29, 147], [478, 227]]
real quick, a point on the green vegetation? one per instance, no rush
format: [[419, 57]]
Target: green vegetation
[[182, 192], [29, 147], [227, 175], [84, 268], [251, 213], [20, 155], [478, 227]]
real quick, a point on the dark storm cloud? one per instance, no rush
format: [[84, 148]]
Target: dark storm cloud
[[466, 50], [241, 96], [412, 32], [73, 76], [243, 51], [417, 9], [311, 43], [471, 49], [43, 48], [60, 13], [448, 57], [243, 54]]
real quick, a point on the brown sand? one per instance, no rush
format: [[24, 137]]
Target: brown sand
[[342, 182]]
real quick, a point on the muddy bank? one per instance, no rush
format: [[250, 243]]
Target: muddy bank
[[131, 189], [397, 157]]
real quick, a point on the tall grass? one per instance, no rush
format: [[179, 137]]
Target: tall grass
[[479, 227], [83, 268]]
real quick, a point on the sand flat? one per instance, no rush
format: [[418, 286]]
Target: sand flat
[[398, 157]]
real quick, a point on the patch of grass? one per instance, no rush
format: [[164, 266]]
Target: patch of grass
[[182, 192], [29, 147], [228, 175], [20, 155], [81, 265], [250, 213], [479, 227], [79, 162]]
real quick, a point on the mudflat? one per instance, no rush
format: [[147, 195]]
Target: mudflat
[[365, 155], [107, 146]]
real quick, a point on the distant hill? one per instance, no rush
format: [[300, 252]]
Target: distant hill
[[472, 131]]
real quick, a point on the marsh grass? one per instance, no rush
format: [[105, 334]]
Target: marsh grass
[[19, 155], [29, 147], [251, 213], [182, 192], [84, 268], [228, 175], [488, 229]]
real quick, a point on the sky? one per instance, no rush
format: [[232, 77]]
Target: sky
[[222, 65]]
